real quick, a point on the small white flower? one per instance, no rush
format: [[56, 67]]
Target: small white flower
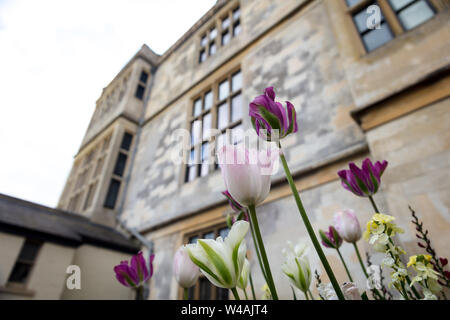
[[374, 279], [327, 292], [428, 295], [350, 291], [388, 261]]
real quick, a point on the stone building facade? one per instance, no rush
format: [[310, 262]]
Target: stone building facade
[[359, 92]]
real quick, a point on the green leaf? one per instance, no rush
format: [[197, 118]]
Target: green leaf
[[364, 296]]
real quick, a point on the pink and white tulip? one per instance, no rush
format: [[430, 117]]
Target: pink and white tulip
[[247, 173], [185, 271], [347, 225]]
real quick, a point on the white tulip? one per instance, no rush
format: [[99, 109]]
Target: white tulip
[[185, 271], [296, 266], [221, 261], [246, 173]]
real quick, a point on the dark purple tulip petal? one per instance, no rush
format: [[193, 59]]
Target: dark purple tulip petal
[[270, 93], [292, 116], [139, 267], [126, 275], [443, 261], [380, 167]]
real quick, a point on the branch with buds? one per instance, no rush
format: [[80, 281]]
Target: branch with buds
[[425, 243]]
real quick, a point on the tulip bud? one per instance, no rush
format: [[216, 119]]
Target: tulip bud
[[243, 279], [347, 225], [185, 271], [270, 119], [331, 239]]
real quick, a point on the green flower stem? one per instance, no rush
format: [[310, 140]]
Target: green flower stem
[[404, 294], [258, 254], [374, 290], [306, 295], [251, 286], [235, 294], [360, 260], [140, 293], [363, 267], [310, 293], [186, 294], [310, 230], [345, 265], [416, 293], [245, 293], [374, 205], [265, 261], [293, 293]]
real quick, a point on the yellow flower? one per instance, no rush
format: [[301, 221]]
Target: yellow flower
[[412, 261], [382, 218], [427, 257], [371, 225]]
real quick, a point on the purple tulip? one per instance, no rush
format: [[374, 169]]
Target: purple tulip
[[272, 117], [363, 182], [135, 274], [331, 239]]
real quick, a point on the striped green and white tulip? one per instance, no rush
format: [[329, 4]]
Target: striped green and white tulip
[[222, 260], [296, 267]]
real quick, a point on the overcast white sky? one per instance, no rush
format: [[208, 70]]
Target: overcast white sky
[[55, 59]]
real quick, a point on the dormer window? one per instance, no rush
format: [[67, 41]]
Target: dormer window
[[220, 33]]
